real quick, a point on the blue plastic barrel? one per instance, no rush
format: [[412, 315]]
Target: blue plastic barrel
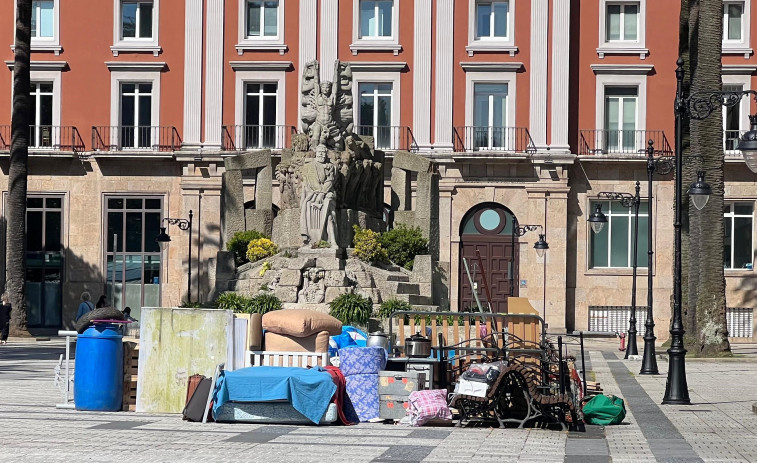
[[99, 370]]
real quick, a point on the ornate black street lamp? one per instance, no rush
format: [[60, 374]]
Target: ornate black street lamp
[[597, 221], [540, 246], [163, 239]]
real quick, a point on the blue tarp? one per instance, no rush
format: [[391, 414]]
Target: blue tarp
[[308, 390]]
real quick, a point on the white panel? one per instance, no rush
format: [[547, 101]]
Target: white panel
[[214, 73], [329, 33], [192, 78], [539, 56], [307, 46], [422, 73], [444, 72], [560, 69]]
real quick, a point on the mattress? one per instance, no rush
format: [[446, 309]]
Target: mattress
[[276, 412], [362, 360]]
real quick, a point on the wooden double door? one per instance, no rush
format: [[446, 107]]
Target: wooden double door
[[497, 263]]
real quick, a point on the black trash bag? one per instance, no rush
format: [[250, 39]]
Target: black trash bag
[[103, 313]]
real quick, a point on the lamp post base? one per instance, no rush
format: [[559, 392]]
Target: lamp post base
[[649, 361], [676, 388], [631, 348]]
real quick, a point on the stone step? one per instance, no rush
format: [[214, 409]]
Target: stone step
[[401, 287], [398, 277], [415, 299]]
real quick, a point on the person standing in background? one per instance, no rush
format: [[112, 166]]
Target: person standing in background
[[102, 302], [5, 318], [85, 306]]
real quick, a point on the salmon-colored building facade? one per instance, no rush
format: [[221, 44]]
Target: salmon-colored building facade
[[529, 108]]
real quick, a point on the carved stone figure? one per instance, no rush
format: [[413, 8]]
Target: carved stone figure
[[318, 200], [313, 287], [326, 106]]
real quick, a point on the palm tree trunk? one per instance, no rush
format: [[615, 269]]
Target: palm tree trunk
[[706, 276], [16, 203]]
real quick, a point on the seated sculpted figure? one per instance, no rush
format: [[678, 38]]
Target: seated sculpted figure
[[318, 201]]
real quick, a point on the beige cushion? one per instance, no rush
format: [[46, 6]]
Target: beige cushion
[[254, 329], [301, 322], [318, 342]]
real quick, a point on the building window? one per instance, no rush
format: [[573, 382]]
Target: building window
[[42, 113], [492, 20], [733, 21], [613, 246], [622, 22], [133, 223], [44, 259], [376, 19], [739, 217], [136, 115], [490, 115], [375, 113], [43, 19], [621, 116], [136, 20], [262, 19], [732, 117], [260, 116]]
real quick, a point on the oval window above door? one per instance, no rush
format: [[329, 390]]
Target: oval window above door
[[490, 219]]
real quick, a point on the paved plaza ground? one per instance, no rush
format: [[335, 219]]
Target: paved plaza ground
[[719, 426]]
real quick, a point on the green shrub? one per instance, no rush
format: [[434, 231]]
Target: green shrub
[[390, 306], [232, 301], [367, 245], [322, 245], [190, 305], [403, 243], [263, 303], [239, 242], [351, 309], [260, 249]]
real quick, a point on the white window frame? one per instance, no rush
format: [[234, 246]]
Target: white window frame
[[639, 143], [119, 77], [473, 78], [135, 45], [490, 127], [731, 216], [737, 47], [47, 75], [375, 43], [245, 43], [628, 213], [501, 44], [619, 80], [623, 47], [393, 142], [241, 79], [377, 78], [54, 134], [45, 43], [744, 81]]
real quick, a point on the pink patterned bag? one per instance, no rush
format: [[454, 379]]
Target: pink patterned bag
[[427, 405]]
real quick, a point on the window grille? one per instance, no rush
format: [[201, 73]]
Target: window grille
[[615, 318], [740, 321]]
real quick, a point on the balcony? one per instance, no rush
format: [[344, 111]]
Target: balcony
[[389, 137], [256, 137], [489, 139], [135, 138], [47, 138], [631, 143], [731, 140]]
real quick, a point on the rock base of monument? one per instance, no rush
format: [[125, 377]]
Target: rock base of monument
[[313, 278]]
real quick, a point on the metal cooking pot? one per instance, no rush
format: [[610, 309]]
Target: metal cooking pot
[[377, 339], [417, 346]]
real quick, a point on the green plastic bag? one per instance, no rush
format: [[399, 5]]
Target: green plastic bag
[[604, 410]]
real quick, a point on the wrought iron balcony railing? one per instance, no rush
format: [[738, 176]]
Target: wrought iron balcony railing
[[47, 138], [622, 142], [731, 140], [389, 137], [493, 139], [135, 138], [255, 137]]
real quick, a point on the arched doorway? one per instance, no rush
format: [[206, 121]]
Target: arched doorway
[[487, 228]]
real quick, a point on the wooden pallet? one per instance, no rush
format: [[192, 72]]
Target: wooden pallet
[[593, 388], [131, 373]]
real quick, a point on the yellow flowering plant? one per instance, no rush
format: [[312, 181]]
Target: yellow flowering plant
[[260, 249]]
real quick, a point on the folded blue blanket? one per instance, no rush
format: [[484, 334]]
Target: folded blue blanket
[[308, 390]]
